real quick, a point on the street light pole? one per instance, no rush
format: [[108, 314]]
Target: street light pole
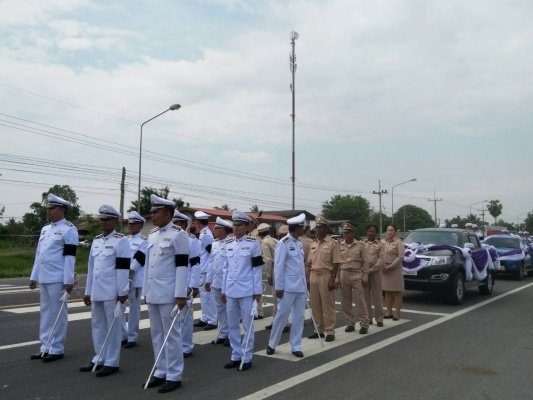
[[171, 108], [392, 196]]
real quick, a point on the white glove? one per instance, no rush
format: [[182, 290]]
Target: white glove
[[253, 312], [64, 297]]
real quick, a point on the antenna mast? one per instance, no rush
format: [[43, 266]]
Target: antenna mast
[[292, 58]]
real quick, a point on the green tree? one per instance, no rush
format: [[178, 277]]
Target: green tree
[[224, 207], [528, 223], [495, 208], [34, 221], [254, 208], [415, 218], [356, 209], [146, 192]]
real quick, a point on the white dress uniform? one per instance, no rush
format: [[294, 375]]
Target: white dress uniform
[[107, 278], [54, 267], [215, 276], [209, 313], [241, 281], [289, 276], [192, 282], [138, 245], [165, 279]]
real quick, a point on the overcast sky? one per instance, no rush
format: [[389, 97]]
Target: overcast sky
[[441, 91]]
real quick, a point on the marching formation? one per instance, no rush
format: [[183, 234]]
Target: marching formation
[[173, 265]]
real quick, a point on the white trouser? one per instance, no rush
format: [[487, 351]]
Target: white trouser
[[294, 304], [187, 328], [221, 313], [101, 319], [239, 309], [130, 330], [50, 293], [209, 310], [170, 364]]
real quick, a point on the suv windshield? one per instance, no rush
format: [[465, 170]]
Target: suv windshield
[[508, 242], [433, 237]]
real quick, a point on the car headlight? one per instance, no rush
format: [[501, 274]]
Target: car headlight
[[441, 260]]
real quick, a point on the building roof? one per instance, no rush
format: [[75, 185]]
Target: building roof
[[226, 214], [292, 213]]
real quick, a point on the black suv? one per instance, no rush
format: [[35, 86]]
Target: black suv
[[445, 271]]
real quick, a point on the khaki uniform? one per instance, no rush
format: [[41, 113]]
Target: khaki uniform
[[268, 248], [306, 243], [352, 273], [322, 255], [373, 292], [390, 261]]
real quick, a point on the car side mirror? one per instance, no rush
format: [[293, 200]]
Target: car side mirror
[[470, 246]]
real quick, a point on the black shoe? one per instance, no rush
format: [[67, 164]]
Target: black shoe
[[330, 338], [298, 354], [349, 328], [388, 317], [200, 324], [226, 343], [105, 371], [186, 355], [124, 342], [89, 367], [169, 386], [210, 327], [268, 327], [154, 382], [245, 366], [379, 324], [370, 322], [52, 357], [219, 341], [363, 330], [270, 350], [232, 364], [259, 317], [314, 336], [286, 329], [129, 345], [395, 319], [38, 356]]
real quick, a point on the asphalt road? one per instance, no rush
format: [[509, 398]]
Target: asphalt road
[[482, 349]]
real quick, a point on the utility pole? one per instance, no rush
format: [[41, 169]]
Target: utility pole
[[380, 193], [482, 211], [434, 200], [122, 196], [292, 59]]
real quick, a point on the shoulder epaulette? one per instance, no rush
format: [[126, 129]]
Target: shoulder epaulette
[[285, 239], [69, 223], [98, 236], [46, 224], [144, 237], [176, 228], [154, 230], [251, 238], [118, 235], [229, 240], [191, 236]]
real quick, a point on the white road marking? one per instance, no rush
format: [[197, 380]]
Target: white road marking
[[311, 347], [12, 346], [278, 387], [413, 311]]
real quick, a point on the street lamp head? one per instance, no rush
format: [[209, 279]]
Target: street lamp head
[[174, 107]]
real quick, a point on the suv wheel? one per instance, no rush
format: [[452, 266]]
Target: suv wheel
[[456, 292], [488, 285], [519, 274]]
